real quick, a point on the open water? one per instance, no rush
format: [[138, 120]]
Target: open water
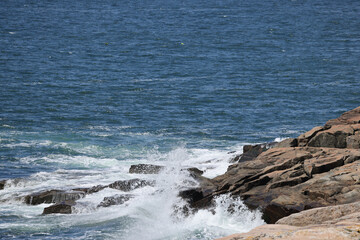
[[88, 88]]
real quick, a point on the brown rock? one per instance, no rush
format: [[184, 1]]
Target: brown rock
[[350, 117], [331, 214], [283, 181], [353, 141], [289, 142], [342, 231]]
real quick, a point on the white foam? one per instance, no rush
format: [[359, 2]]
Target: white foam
[[150, 214]]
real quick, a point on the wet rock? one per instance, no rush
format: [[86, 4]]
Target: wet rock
[[115, 200], [64, 207], [53, 196], [145, 169], [195, 171], [90, 190], [129, 185], [2, 184]]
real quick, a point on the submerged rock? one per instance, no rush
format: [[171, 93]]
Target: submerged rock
[[145, 169], [64, 207], [115, 200], [90, 190], [129, 185]]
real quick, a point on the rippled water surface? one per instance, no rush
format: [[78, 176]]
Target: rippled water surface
[[88, 88]]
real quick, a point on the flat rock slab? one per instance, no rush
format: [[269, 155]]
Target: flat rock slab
[[343, 231], [331, 214]]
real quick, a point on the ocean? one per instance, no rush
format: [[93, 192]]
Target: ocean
[[88, 88]]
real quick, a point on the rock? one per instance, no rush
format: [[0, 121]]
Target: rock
[[331, 214], [145, 169], [289, 142], [53, 196], [353, 141], [342, 231], [283, 181], [350, 117], [91, 190], [64, 207], [115, 200], [195, 171], [250, 152], [129, 185], [2, 184], [334, 137], [304, 138]]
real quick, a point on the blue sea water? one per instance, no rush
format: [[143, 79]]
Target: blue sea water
[[88, 88]]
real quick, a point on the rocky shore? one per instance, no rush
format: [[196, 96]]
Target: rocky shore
[[307, 187]]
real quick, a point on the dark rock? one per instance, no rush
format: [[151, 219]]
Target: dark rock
[[115, 200], [250, 152], [145, 169], [53, 196], [2, 184], [129, 185], [195, 171], [191, 195], [91, 190], [64, 207]]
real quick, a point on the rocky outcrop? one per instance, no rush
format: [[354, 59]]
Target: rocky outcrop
[[309, 186], [53, 196], [317, 169], [145, 169]]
